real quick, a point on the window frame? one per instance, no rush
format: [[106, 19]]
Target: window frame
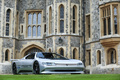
[[88, 27], [74, 19], [99, 57], [8, 22], [50, 20], [61, 19], [37, 23], [111, 16], [109, 56]]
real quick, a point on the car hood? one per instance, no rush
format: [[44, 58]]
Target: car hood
[[71, 61]]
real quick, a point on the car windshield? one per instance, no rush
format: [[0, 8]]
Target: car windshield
[[53, 56]]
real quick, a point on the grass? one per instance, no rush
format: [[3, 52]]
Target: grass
[[62, 77]]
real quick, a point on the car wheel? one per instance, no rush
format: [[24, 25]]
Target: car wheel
[[36, 68], [14, 69]]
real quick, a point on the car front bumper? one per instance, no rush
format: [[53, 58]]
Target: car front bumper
[[61, 69]]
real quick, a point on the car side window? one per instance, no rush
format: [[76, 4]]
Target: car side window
[[31, 56]]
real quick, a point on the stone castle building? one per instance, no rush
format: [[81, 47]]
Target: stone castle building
[[57, 26]]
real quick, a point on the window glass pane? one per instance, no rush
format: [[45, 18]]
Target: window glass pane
[[112, 58], [73, 26], [73, 12], [39, 18], [104, 22], [61, 26], [34, 18], [99, 57], [34, 31], [29, 19], [45, 28], [89, 58], [7, 29], [109, 26], [61, 11], [74, 54], [6, 55], [29, 31], [8, 15], [39, 31], [115, 23], [103, 13], [115, 11]]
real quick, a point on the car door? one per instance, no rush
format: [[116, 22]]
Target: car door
[[27, 63]]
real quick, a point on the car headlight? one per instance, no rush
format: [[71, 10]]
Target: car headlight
[[79, 64], [48, 63]]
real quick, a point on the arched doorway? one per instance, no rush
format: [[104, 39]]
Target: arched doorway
[[61, 51], [32, 50], [111, 56]]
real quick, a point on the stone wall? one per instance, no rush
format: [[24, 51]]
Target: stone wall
[[105, 70], [5, 68], [95, 22], [87, 6], [30, 5]]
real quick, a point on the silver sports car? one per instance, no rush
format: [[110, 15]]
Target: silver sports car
[[46, 63]]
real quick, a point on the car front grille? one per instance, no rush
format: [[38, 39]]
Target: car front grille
[[59, 64]]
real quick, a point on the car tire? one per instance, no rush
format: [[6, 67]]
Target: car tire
[[14, 68], [36, 68]]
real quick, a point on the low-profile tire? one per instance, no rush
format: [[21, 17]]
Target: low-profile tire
[[14, 68], [36, 68]]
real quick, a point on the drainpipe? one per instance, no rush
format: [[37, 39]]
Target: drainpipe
[[84, 47]]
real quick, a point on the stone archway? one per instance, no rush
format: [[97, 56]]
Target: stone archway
[[31, 48]]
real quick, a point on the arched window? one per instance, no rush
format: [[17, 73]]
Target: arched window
[[74, 53], [111, 56], [29, 19], [62, 52], [98, 57], [61, 19], [29, 31], [74, 18], [38, 31], [34, 18], [34, 31], [8, 22], [50, 20], [115, 20], [17, 24], [8, 16], [7, 55]]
